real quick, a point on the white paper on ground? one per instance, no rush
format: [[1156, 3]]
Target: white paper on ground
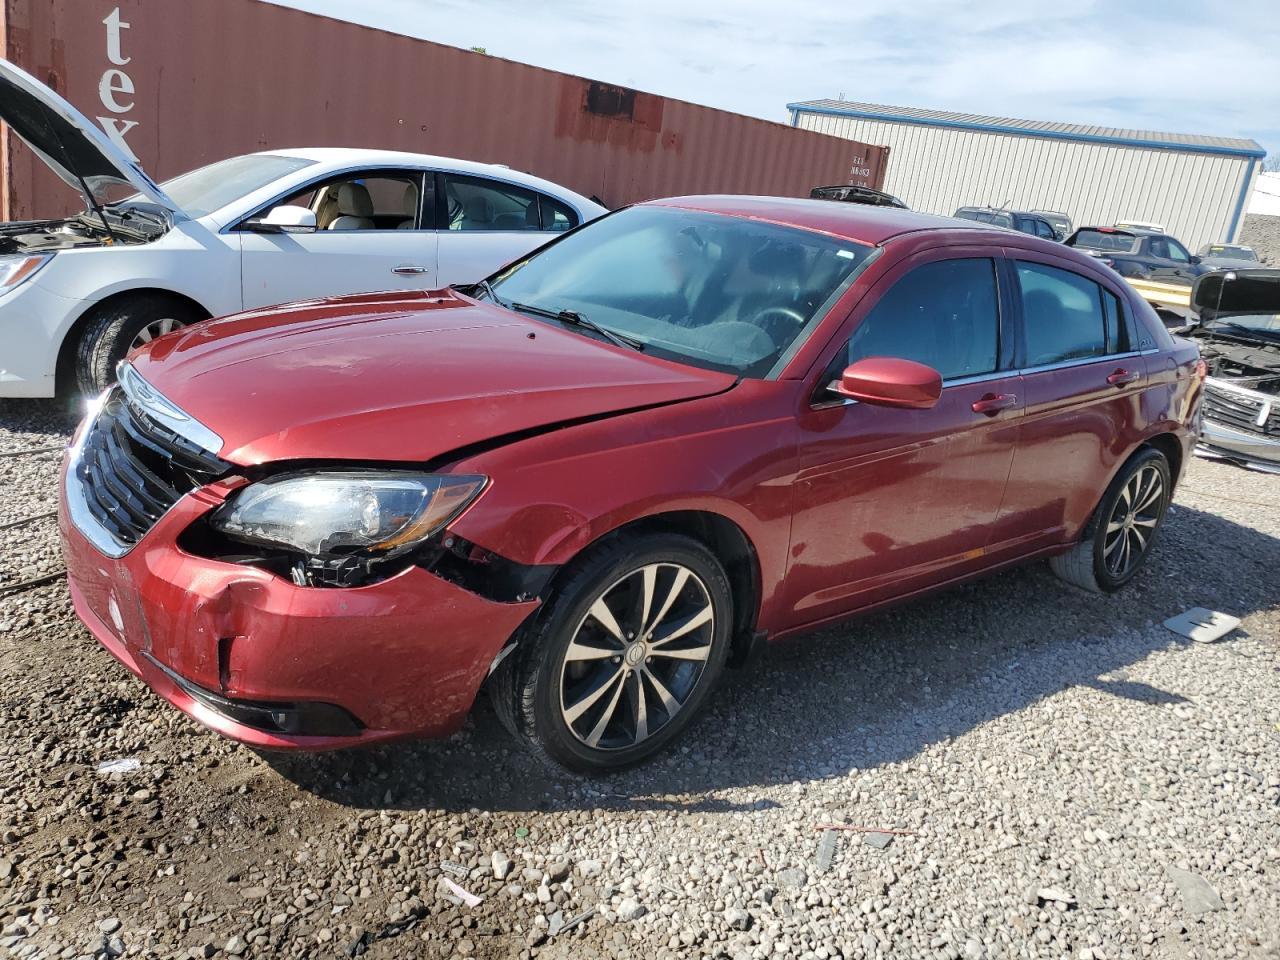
[[1202, 625]]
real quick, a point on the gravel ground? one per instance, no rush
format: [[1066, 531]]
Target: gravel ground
[[1052, 774], [1263, 234]]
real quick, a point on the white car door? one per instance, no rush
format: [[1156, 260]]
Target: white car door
[[368, 237], [488, 223]]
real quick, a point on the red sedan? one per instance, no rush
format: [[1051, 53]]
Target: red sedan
[[617, 466]]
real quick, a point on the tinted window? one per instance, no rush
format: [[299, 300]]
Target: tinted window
[[1062, 314], [942, 314], [715, 291], [1158, 248], [1105, 240], [556, 216], [1177, 251], [475, 203], [1117, 328], [1044, 230]]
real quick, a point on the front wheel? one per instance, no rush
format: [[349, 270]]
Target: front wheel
[[1123, 529], [623, 655], [119, 327]]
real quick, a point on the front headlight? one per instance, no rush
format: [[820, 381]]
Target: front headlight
[[14, 270], [371, 513]]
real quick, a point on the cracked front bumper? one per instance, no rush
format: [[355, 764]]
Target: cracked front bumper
[[219, 641]]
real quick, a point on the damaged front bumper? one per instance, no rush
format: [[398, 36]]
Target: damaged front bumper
[[1241, 425], [276, 665]]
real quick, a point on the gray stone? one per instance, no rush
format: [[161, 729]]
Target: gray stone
[[110, 925], [793, 877], [826, 851], [737, 919], [630, 909], [501, 864], [877, 840], [236, 946]]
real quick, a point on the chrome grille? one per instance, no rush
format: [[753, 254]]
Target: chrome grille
[[130, 469], [1242, 409]]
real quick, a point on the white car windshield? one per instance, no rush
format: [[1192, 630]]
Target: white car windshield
[[200, 192], [710, 290]]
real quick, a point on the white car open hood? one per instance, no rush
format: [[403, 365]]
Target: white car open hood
[[73, 147]]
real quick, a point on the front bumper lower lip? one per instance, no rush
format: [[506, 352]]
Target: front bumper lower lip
[[1221, 441]]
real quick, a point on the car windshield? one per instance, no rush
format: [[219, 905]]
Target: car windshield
[[993, 217], [200, 192], [1267, 324], [1106, 240], [1231, 253], [721, 292]]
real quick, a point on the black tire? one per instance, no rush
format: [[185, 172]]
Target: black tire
[[528, 686], [1089, 565], [110, 331]]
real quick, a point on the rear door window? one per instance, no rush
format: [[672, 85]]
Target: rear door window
[[477, 203], [1063, 315], [1106, 240], [943, 314]]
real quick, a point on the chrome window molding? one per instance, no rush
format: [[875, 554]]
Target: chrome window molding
[[1080, 362], [159, 408]]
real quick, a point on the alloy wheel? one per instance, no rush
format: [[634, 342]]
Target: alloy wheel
[[156, 328], [1133, 521], [637, 656]]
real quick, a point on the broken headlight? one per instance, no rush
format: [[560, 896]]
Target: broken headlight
[[372, 514]]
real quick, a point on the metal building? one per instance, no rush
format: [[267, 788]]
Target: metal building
[[1196, 186]]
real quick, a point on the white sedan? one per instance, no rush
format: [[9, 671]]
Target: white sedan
[[77, 294]]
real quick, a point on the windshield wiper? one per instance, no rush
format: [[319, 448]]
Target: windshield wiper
[[481, 285], [578, 320]]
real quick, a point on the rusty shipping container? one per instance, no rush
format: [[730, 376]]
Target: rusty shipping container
[[182, 84]]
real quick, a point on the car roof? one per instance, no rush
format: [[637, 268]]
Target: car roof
[[861, 223], [348, 156]]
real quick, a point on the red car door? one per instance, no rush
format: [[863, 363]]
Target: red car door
[[1083, 374], [892, 500]]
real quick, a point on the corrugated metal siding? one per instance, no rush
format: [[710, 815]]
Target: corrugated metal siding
[[937, 169], [1049, 128], [215, 78]]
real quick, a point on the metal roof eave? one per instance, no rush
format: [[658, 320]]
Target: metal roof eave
[[1244, 153]]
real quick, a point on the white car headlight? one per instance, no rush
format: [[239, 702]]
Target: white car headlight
[[333, 514], [15, 269]]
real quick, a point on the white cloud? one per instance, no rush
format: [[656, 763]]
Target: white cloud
[[1176, 66]]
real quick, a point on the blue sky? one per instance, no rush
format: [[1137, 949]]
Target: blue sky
[[1173, 66]]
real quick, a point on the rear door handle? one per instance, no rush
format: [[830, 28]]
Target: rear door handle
[[408, 270], [1123, 376], [993, 403]]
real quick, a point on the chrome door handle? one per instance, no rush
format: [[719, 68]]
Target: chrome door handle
[[409, 271]]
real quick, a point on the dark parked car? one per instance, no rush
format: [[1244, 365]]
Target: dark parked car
[[1023, 221], [1139, 254], [620, 464], [1239, 337], [852, 194], [1060, 222], [1227, 256]]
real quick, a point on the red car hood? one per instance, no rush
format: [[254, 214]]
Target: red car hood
[[397, 376]]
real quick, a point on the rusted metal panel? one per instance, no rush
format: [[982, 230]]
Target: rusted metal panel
[[183, 84]]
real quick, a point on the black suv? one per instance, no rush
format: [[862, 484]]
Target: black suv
[[1022, 220], [1140, 254]]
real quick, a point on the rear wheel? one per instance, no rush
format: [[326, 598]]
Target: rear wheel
[[623, 655], [1123, 528], [119, 327]]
